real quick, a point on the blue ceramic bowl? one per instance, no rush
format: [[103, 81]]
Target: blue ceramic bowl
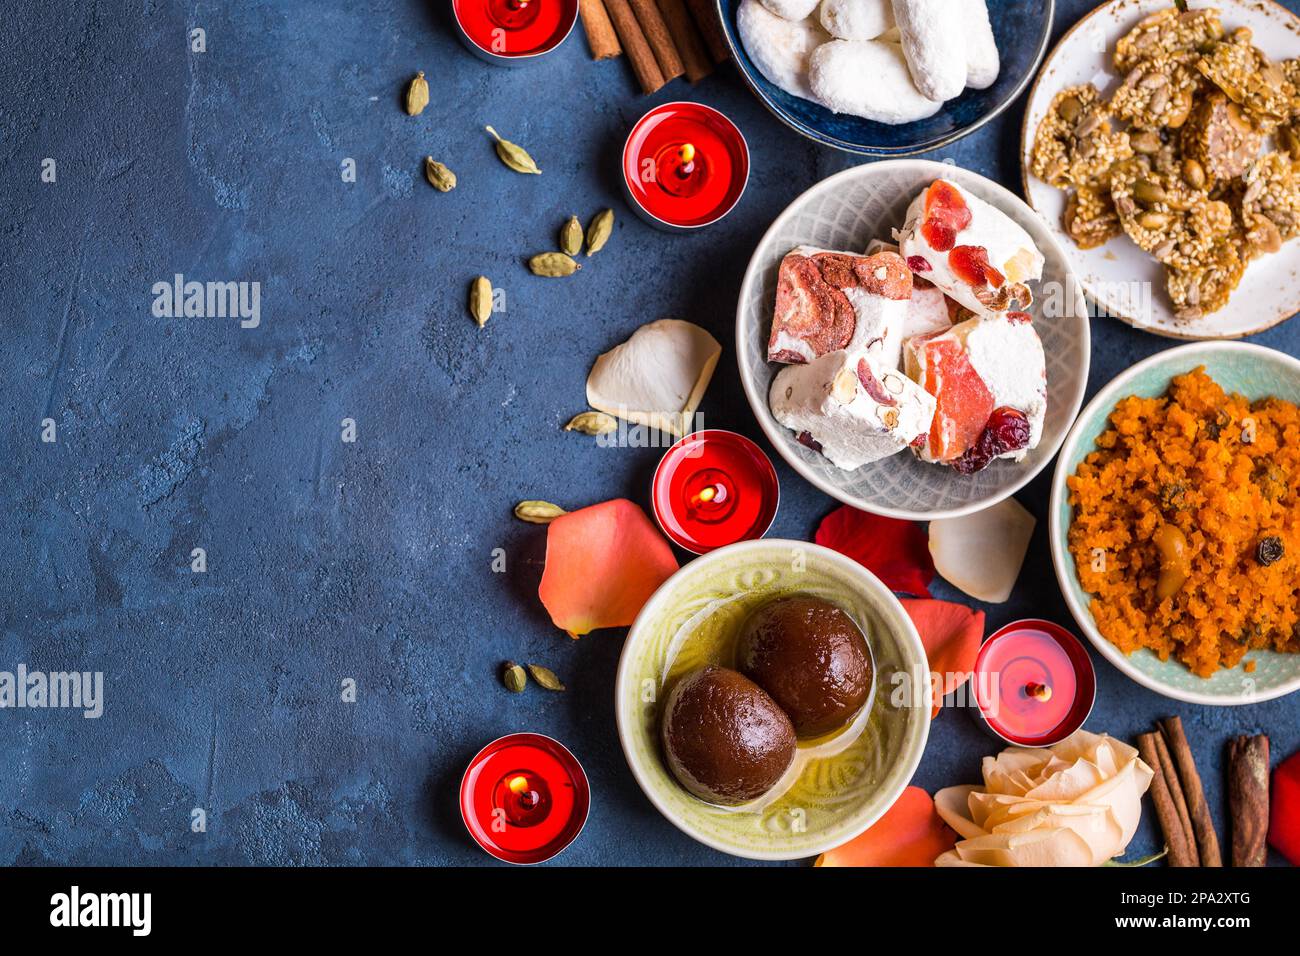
[[1251, 370], [1022, 29]]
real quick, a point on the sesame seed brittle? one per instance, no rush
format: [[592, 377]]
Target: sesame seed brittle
[[1168, 32], [1157, 93], [1075, 144]]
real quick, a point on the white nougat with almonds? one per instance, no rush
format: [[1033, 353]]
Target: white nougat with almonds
[[855, 412]]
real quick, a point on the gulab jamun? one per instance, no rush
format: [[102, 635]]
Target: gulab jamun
[[725, 739], [811, 658]]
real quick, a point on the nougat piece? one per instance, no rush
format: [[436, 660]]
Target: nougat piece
[[971, 250], [1169, 32], [827, 301], [1075, 144], [850, 410]]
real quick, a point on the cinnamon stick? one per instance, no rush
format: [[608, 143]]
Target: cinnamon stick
[[1248, 799], [687, 37], [1207, 840], [1180, 853], [1176, 794], [638, 51], [661, 41], [600, 32], [706, 17]]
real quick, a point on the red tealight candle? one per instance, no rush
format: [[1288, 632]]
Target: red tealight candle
[[685, 165], [524, 798], [513, 31], [714, 488], [1034, 683]]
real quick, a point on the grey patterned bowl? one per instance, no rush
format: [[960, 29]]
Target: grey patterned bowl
[[846, 211], [1255, 372]]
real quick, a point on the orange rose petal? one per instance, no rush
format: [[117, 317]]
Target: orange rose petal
[[602, 565], [952, 634], [911, 833]]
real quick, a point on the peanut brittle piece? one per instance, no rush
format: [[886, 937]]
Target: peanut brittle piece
[[1090, 218], [1205, 285], [1220, 138], [1169, 32], [1157, 93], [1165, 216], [1075, 144], [1243, 71], [1273, 194]]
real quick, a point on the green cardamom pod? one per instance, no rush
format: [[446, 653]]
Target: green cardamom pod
[[440, 177], [516, 157], [592, 423], [545, 676], [571, 237], [538, 512], [598, 233], [480, 300], [417, 95], [513, 676], [553, 265]]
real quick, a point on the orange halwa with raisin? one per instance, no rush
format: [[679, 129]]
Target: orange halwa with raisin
[[1226, 473]]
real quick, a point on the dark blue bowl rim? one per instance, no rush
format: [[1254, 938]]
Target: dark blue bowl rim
[[892, 152]]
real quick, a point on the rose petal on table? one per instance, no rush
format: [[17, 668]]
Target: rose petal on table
[[602, 564], [1284, 809], [893, 550], [981, 554], [952, 634], [909, 834]]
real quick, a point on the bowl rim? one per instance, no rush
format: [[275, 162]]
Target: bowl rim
[[888, 152], [907, 634], [1065, 577], [775, 433], [1026, 150]]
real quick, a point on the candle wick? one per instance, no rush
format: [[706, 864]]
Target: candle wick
[[1040, 692]]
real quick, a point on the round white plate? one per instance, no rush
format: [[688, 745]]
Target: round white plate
[[846, 212], [1122, 279]]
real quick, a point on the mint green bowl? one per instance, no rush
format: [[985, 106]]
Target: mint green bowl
[[1253, 371], [839, 785]]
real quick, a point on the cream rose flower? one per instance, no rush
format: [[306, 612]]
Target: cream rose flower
[[1075, 804]]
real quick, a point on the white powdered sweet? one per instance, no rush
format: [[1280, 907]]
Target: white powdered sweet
[[857, 414], [934, 42], [791, 9], [856, 19], [982, 60], [867, 78], [780, 48]]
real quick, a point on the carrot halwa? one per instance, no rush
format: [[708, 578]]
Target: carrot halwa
[[1225, 474]]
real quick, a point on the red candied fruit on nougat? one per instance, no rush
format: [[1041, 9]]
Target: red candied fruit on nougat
[[971, 265], [946, 214], [962, 402]]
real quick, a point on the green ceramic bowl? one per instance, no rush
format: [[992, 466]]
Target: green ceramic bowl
[[839, 785], [1255, 372]]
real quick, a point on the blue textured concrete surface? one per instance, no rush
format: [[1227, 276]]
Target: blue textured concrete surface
[[368, 560]]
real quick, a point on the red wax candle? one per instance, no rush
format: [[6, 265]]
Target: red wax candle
[[685, 165], [524, 798], [514, 29], [714, 488], [1034, 683]]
